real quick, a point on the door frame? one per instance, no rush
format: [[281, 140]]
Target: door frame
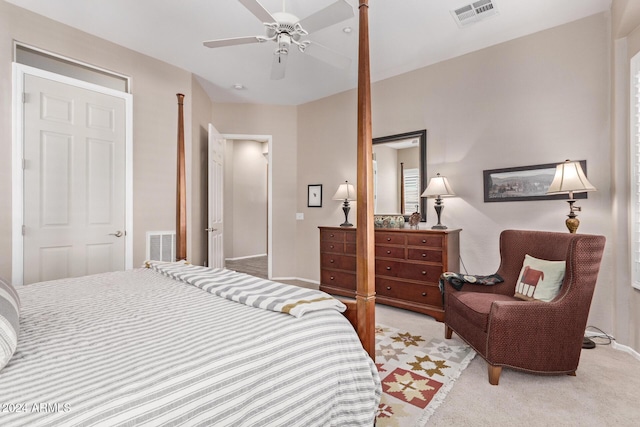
[[269, 140], [17, 198]]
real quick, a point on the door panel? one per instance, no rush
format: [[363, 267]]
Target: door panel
[[74, 181], [216, 196]]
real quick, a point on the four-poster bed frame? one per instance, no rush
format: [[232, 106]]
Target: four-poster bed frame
[[361, 312]]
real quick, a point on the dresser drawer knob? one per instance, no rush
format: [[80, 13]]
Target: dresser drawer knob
[[388, 288], [331, 278], [331, 261], [424, 241], [388, 252], [331, 235], [388, 268], [424, 255], [424, 294], [388, 239], [332, 246], [424, 272]]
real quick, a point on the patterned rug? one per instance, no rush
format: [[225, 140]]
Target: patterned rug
[[416, 374]]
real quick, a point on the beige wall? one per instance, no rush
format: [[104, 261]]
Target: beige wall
[[280, 122], [154, 87], [538, 99]]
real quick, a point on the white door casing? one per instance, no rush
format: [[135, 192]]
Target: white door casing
[[215, 223], [72, 204]]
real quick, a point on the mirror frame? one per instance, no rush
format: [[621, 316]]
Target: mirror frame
[[422, 138]]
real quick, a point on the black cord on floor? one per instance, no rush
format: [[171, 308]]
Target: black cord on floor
[[602, 339]]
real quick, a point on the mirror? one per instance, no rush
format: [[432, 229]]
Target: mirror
[[400, 174]]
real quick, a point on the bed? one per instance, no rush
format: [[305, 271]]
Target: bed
[[175, 344], [154, 346]]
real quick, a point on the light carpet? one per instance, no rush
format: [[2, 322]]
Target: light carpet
[[416, 373]]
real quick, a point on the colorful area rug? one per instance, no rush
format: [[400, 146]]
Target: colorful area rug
[[416, 374]]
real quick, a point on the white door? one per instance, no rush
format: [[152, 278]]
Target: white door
[[216, 196], [74, 181]]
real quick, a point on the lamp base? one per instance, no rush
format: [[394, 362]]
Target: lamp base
[[572, 221], [439, 206], [346, 208]]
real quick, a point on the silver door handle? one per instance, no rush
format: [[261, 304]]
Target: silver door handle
[[210, 229], [117, 234]]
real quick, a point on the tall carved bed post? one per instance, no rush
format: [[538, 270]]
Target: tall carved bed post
[[365, 250], [181, 191]]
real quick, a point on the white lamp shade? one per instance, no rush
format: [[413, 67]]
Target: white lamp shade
[[438, 187], [570, 177], [345, 191]]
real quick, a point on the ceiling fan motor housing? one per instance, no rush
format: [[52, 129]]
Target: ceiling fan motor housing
[[285, 24]]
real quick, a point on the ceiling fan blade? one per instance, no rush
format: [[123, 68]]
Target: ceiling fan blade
[[258, 10], [332, 14], [232, 42], [278, 66], [327, 55]]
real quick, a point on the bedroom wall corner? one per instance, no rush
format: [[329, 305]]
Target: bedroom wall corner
[[625, 41]]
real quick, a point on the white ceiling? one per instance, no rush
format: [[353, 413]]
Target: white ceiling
[[404, 35]]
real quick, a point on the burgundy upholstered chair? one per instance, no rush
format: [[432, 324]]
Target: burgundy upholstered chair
[[533, 336]]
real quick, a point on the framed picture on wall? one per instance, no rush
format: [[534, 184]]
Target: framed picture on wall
[[523, 183], [314, 196]]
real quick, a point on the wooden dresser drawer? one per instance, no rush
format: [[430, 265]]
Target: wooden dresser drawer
[[383, 238], [434, 241], [350, 248], [421, 294], [389, 251], [338, 279], [340, 262], [427, 255], [331, 246], [406, 270], [332, 235]]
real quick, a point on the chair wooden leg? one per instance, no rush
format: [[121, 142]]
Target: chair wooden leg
[[494, 374], [573, 374], [448, 332]]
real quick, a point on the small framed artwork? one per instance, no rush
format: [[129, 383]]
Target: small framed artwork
[[523, 183], [314, 196]]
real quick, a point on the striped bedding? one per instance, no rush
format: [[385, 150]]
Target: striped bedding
[[138, 348]]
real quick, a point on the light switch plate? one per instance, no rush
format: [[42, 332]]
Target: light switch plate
[[299, 215]]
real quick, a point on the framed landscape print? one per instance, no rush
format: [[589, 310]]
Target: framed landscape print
[[523, 183], [314, 196]]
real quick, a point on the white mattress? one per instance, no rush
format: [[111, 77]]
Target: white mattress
[[138, 348]]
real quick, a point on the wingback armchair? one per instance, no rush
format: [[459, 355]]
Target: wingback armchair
[[533, 336]]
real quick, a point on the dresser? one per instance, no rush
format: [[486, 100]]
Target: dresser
[[408, 265]]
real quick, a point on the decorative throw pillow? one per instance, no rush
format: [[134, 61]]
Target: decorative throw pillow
[[9, 321], [539, 279]]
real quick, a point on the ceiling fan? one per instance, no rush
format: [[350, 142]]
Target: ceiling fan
[[287, 29]]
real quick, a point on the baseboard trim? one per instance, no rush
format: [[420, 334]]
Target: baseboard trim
[[245, 257], [315, 282], [626, 349]]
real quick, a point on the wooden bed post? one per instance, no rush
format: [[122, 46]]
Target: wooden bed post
[[365, 250], [181, 191]]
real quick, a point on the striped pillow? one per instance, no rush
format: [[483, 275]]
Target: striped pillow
[[9, 321]]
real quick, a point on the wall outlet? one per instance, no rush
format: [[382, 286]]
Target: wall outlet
[[299, 215]]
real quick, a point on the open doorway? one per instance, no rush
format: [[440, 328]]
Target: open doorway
[[247, 204]]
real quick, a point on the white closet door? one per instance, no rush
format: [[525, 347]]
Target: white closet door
[[215, 226], [74, 181]]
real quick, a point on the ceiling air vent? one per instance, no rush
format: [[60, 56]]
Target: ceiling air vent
[[474, 12]]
